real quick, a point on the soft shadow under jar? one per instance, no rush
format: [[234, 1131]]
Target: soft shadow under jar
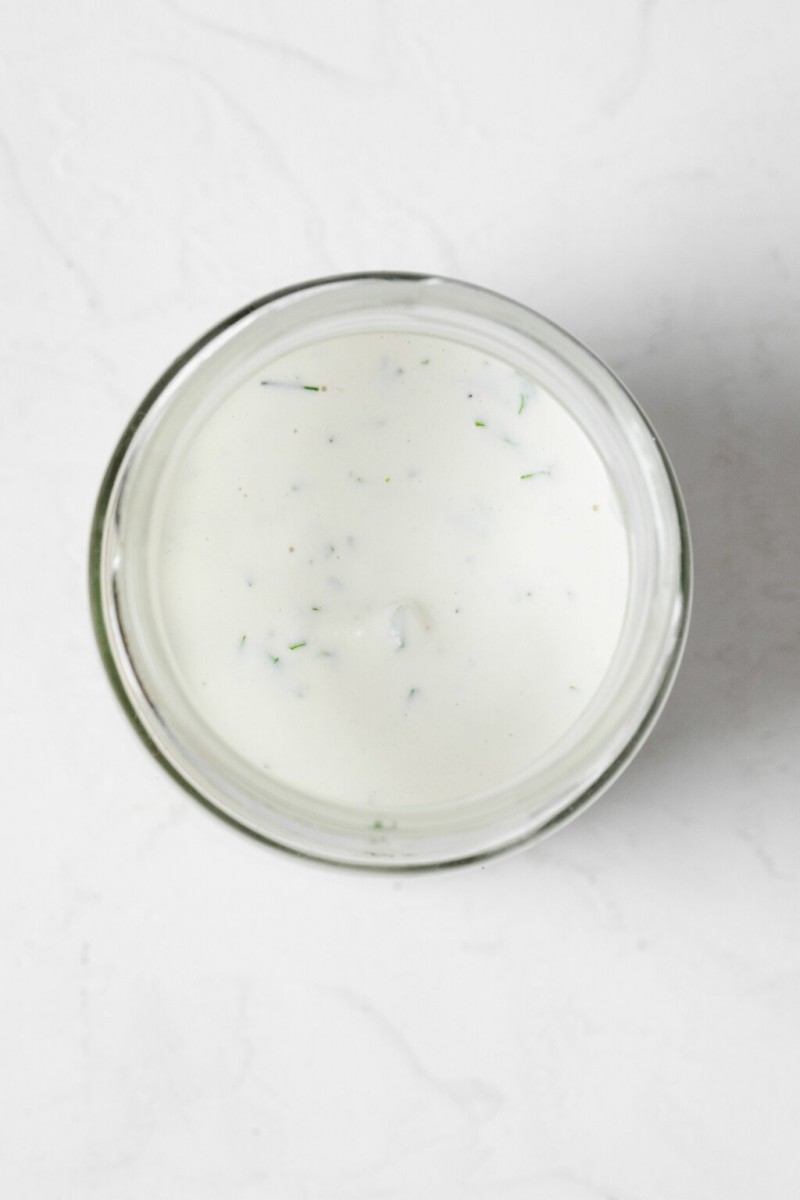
[[391, 571]]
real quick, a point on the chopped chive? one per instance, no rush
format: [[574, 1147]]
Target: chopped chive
[[388, 479], [412, 693], [297, 646], [306, 387], [533, 474], [481, 424], [276, 658], [243, 639], [315, 608], [523, 400]]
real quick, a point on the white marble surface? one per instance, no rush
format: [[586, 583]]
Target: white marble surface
[[613, 1014]]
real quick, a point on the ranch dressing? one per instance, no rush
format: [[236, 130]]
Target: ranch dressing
[[389, 569]]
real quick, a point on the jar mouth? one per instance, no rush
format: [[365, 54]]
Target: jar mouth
[[581, 763]]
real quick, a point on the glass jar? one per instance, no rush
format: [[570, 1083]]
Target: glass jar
[[126, 577]]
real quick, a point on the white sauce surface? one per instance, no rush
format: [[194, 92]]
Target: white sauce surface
[[400, 588]]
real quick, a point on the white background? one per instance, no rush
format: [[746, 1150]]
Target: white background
[[612, 1015]]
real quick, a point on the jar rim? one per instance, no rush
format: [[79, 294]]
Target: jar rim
[[437, 845]]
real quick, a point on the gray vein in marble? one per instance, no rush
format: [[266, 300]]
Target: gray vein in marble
[[42, 226], [440, 80], [597, 892], [435, 230], [267, 145], [274, 47], [767, 860], [632, 79], [176, 815], [477, 1099]]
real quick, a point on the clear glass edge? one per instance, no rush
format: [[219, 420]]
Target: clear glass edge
[[370, 859]]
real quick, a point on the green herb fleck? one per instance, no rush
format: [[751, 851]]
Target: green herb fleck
[[572, 687], [306, 387], [523, 400], [297, 646], [388, 479], [412, 693], [315, 608], [243, 639], [276, 658], [424, 361], [481, 424], [533, 474]]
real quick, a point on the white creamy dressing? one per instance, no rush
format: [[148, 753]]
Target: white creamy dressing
[[400, 588]]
